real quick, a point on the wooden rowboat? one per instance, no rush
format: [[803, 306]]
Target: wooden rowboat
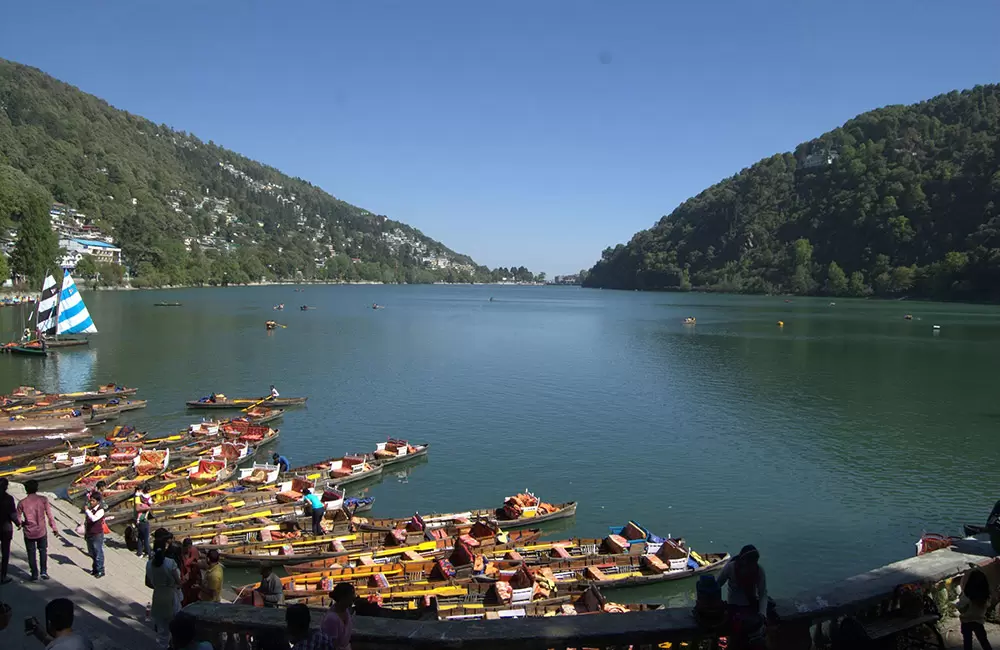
[[66, 343], [245, 402], [395, 452], [342, 470], [617, 572], [34, 426], [103, 393], [574, 603], [528, 517], [91, 414], [487, 539], [292, 552], [120, 481], [56, 465], [27, 349], [27, 451], [34, 407], [19, 438], [262, 415]]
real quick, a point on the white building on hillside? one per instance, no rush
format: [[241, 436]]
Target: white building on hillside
[[75, 249]]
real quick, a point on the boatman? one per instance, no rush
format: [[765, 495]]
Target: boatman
[[281, 462], [274, 392], [318, 508]]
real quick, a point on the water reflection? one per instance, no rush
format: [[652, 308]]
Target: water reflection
[[73, 369]]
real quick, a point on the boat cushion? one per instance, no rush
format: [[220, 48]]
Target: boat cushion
[[654, 563], [616, 543], [559, 551]]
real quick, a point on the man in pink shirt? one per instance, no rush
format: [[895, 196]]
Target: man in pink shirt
[[34, 510]]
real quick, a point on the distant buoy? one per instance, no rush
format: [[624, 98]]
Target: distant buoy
[[781, 323]]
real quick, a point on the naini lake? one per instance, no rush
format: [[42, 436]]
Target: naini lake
[[830, 443]]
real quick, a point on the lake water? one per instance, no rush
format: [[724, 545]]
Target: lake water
[[831, 443]]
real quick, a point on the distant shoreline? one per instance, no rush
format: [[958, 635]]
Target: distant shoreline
[[85, 286], [317, 283]]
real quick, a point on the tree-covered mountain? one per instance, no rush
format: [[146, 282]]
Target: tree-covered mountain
[[903, 200], [187, 211]]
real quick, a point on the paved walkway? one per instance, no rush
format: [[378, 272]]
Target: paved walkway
[[111, 611]]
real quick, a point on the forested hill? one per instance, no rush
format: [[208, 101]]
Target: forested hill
[[155, 189], [903, 200]]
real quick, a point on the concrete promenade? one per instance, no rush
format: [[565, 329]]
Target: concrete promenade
[[111, 611]]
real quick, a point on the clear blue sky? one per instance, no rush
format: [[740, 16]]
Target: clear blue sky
[[496, 127]]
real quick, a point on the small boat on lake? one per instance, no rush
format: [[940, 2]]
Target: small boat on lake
[[166, 304], [120, 481], [35, 407], [223, 402], [523, 509], [56, 465], [262, 415], [22, 426], [295, 552], [30, 349], [395, 452], [341, 470], [31, 450], [106, 392]]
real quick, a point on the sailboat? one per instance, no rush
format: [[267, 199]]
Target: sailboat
[[66, 315], [60, 311]]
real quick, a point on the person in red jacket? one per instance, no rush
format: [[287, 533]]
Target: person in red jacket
[[93, 532], [34, 509]]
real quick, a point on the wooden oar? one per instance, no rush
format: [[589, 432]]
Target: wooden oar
[[252, 406]]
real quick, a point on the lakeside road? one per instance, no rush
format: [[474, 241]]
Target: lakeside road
[[111, 611]]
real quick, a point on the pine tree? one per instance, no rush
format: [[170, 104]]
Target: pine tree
[[37, 246]]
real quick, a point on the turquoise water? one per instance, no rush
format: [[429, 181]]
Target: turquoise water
[[831, 443]]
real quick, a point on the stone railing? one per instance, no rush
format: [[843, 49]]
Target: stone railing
[[806, 621]]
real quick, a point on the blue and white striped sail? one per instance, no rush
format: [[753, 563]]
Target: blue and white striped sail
[[73, 315]]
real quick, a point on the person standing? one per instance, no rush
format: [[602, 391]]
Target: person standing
[[318, 510], [270, 588], [337, 624], [93, 533], [34, 510], [142, 503], [8, 520], [972, 607], [164, 577], [211, 584], [190, 573]]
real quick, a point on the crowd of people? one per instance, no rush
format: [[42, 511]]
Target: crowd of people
[[176, 572]]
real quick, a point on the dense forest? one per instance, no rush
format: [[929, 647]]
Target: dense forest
[[903, 200], [190, 212]]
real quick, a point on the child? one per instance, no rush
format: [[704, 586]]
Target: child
[[972, 607]]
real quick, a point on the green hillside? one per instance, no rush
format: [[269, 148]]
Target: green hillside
[[154, 189], [903, 200]]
